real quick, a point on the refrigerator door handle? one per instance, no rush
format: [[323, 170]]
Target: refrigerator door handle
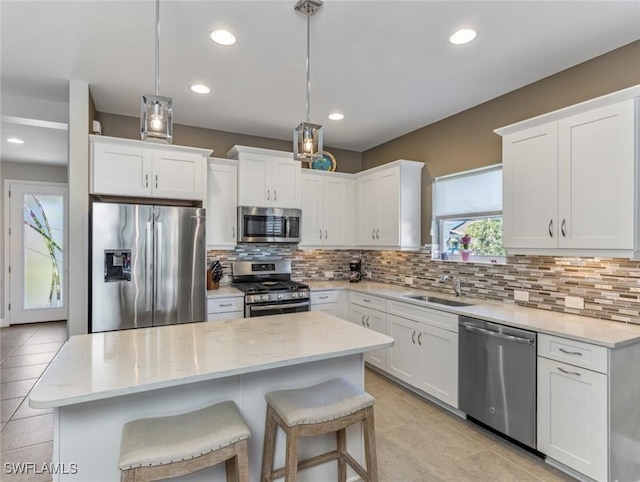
[[148, 267], [158, 262]]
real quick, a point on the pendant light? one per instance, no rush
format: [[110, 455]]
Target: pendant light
[[156, 114], [307, 137]]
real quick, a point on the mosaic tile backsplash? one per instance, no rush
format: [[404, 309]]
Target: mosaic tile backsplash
[[610, 287]]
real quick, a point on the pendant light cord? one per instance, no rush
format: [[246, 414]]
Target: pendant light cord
[[308, 61], [157, 48]]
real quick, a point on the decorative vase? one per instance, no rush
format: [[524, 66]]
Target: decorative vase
[[465, 254]]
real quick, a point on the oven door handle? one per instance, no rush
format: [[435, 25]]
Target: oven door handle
[[278, 305]]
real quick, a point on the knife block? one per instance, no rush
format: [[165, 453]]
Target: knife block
[[212, 285]]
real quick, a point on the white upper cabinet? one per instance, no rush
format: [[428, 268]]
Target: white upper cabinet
[[388, 206], [530, 184], [325, 210], [222, 203], [570, 180], [124, 167], [267, 178]]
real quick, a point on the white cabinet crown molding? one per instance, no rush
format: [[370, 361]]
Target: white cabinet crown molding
[[121, 141], [235, 152], [587, 105]]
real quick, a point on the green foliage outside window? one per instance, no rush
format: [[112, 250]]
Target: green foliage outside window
[[486, 237]]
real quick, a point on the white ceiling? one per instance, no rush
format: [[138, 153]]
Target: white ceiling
[[387, 65]]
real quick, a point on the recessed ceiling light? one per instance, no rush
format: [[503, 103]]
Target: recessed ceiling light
[[223, 37], [200, 89], [15, 140], [462, 36], [336, 116]]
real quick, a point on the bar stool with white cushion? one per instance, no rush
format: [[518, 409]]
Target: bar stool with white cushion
[[163, 447], [331, 406]]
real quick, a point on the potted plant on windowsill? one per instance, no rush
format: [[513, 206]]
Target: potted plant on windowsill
[[466, 243]]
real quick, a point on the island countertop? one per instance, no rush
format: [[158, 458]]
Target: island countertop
[[103, 365]]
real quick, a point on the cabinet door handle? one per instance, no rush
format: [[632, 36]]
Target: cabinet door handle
[[563, 228], [146, 180], [362, 321], [320, 234], [233, 232], [156, 181], [326, 234], [420, 338], [367, 321], [377, 233], [567, 352], [567, 372], [275, 195], [373, 234], [551, 228], [413, 337], [268, 195]]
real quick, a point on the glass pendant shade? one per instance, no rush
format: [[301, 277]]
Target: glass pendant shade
[[307, 141], [156, 119]]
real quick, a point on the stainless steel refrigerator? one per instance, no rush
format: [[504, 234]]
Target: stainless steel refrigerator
[[148, 266]]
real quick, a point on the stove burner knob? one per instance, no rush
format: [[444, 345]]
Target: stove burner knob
[[279, 297], [265, 297], [294, 295]]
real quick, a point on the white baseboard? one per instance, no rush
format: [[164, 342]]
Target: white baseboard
[[4, 323]]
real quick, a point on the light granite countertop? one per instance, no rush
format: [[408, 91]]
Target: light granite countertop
[[611, 334], [225, 292], [104, 365]]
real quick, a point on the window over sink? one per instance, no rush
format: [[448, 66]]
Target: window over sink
[[467, 215]]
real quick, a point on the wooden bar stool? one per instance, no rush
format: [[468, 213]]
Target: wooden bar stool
[[328, 407], [164, 447]]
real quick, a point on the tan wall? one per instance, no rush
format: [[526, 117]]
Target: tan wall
[[220, 141], [466, 140]]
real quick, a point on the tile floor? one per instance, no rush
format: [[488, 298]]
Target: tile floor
[[26, 433], [417, 440]]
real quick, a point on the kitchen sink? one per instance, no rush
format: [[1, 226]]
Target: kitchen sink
[[440, 301]]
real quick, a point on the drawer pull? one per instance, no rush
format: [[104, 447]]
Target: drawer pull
[[224, 305], [366, 300], [567, 372], [322, 297], [567, 352]]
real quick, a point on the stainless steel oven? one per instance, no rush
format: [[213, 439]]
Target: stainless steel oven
[[268, 225], [268, 288]]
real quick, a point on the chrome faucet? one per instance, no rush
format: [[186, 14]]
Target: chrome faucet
[[455, 281]]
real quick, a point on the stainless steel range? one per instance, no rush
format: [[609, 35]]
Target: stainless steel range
[[268, 288]]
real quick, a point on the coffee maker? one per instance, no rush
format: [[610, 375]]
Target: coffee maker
[[356, 271]]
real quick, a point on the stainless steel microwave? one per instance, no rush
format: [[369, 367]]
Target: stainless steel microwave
[[268, 225]]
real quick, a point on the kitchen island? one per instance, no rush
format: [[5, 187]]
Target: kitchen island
[[98, 382]]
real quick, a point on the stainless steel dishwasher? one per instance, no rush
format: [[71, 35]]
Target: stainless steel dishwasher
[[497, 382]]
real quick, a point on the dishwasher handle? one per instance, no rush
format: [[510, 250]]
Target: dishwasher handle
[[496, 334]]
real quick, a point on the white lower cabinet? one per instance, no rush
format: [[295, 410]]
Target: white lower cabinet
[[222, 309], [572, 417], [325, 301], [403, 355], [375, 320], [573, 404], [425, 353]]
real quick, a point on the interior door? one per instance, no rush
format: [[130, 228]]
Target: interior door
[[36, 255]]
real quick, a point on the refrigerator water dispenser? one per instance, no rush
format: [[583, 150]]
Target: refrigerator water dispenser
[[117, 265]]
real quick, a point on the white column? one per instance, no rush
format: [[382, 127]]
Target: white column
[[78, 178]]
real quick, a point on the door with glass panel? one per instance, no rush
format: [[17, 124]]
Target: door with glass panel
[[37, 241]]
